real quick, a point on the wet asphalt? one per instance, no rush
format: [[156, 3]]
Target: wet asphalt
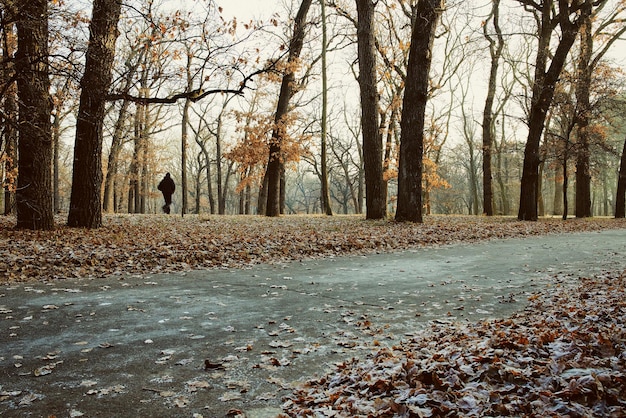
[[226, 342]]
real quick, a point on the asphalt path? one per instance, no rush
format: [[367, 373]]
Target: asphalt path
[[218, 342]]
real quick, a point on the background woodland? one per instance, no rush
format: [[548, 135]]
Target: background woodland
[[390, 108]]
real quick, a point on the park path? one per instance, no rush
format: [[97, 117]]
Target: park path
[[205, 343]]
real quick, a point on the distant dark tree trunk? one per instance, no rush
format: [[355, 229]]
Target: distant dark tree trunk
[[85, 201], [108, 204], [410, 165], [56, 140], [565, 184], [495, 50], [375, 195], [183, 157], [261, 207], [543, 89], [221, 185], [620, 195], [275, 162], [34, 182]]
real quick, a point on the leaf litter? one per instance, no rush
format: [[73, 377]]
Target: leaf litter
[[135, 245], [564, 355]]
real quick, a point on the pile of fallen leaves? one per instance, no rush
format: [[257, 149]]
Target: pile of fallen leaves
[[565, 356], [142, 244]]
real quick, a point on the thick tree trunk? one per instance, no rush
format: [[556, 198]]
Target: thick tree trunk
[[375, 195], [34, 182], [413, 110], [620, 195], [9, 121], [86, 202]]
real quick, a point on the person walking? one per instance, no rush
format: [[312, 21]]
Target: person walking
[[167, 187]]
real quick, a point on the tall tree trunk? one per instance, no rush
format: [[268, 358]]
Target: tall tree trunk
[[275, 162], [583, 107], [10, 119], [108, 204], [324, 163], [56, 138], [34, 181], [183, 156], [495, 50], [262, 200], [375, 195], [221, 195], [565, 185], [558, 192], [410, 165], [85, 201], [543, 91], [620, 194]]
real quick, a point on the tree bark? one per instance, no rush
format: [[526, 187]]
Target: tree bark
[[620, 195], [495, 50], [375, 196], [85, 201], [108, 204], [34, 182], [324, 163], [542, 94], [583, 108], [183, 157], [410, 165], [275, 162], [9, 120]]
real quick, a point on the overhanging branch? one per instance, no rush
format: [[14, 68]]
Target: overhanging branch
[[194, 95]]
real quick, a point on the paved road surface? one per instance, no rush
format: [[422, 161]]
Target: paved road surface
[[206, 342]]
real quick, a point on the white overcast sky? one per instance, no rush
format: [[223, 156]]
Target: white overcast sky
[[249, 9]]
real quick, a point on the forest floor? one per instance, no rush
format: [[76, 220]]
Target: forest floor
[[141, 244], [116, 332]]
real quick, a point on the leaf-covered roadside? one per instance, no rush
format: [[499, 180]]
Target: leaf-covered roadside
[[140, 244], [565, 355]]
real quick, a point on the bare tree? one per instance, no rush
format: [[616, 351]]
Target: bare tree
[[274, 165], [568, 18], [495, 52], [324, 134], [588, 61]]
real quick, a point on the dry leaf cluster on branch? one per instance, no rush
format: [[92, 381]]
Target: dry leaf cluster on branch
[[140, 244], [565, 356]]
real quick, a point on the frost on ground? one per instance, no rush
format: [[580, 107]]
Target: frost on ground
[[147, 244], [565, 355]]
